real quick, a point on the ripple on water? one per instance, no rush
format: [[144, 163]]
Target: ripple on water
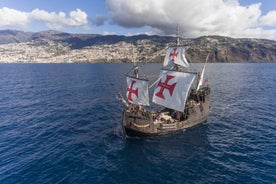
[[65, 127]]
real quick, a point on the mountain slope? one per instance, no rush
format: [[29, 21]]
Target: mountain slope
[[24, 46]]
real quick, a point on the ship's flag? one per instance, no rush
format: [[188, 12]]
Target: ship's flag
[[137, 91]]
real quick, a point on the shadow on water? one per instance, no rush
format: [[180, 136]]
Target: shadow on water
[[170, 156], [182, 146]]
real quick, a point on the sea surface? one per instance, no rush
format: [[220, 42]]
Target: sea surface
[[61, 123]]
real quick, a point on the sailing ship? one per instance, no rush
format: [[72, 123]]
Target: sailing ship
[[182, 92]]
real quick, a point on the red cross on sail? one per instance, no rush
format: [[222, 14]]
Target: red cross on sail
[[131, 91], [165, 85], [175, 55], [137, 91], [172, 89]]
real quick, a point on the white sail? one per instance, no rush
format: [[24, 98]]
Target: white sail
[[172, 89], [200, 82], [137, 91], [175, 55], [201, 77]]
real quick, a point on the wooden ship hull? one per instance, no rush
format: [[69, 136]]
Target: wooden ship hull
[[138, 122], [180, 90]]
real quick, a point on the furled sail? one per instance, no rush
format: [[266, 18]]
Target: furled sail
[[137, 91], [172, 89], [175, 55]]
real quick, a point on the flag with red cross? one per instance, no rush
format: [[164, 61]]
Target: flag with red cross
[[137, 91]]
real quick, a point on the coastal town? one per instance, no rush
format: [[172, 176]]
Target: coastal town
[[56, 47], [48, 51]]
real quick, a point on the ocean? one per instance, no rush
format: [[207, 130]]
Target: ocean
[[61, 123]]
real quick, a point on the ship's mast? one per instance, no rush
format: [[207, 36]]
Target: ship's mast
[[176, 67], [177, 35], [135, 66]]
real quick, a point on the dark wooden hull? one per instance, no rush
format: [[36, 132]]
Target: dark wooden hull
[[144, 123]]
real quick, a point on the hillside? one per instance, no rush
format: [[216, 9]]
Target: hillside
[[53, 46]]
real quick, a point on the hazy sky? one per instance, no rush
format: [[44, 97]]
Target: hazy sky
[[235, 18]]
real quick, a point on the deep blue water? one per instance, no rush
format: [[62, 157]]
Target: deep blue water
[[61, 123]]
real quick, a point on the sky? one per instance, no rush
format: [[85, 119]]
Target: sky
[[234, 18]]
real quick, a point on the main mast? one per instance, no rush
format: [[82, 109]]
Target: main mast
[[177, 35], [176, 66], [135, 66]]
